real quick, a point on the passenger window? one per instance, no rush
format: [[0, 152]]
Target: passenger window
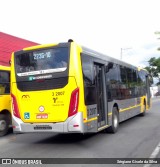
[[89, 86], [4, 82], [112, 81]]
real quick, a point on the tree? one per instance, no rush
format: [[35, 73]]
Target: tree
[[154, 68]]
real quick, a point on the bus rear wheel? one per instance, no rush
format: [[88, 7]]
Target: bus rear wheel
[[4, 124], [115, 121]]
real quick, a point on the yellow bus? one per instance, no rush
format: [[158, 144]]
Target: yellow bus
[[5, 100], [68, 88]]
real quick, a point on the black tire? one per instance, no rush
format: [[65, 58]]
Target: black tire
[[4, 124], [115, 121], [144, 110]]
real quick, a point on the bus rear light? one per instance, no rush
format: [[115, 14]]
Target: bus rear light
[[15, 106], [73, 107]]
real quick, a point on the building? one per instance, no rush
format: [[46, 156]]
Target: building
[[9, 44]]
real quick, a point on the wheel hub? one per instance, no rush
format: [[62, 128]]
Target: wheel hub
[[3, 125], [115, 121]]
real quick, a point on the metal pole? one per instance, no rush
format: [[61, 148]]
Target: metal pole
[[121, 54]]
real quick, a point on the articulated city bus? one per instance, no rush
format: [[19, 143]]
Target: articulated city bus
[[5, 100], [68, 88]]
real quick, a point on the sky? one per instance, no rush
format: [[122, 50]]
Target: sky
[[118, 28]]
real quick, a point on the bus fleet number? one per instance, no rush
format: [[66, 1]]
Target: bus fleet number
[[58, 93]]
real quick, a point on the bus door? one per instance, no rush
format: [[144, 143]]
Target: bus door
[[101, 94]]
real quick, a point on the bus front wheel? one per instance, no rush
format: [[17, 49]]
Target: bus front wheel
[[115, 121], [4, 124]]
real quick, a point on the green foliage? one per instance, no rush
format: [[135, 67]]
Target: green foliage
[[154, 67], [157, 32], [154, 63]]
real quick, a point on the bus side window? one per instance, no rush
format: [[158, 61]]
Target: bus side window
[[142, 83], [89, 85], [4, 82], [112, 81], [135, 83], [123, 82]]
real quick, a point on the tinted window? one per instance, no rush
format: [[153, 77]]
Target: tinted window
[[87, 67], [4, 82], [123, 76], [89, 85], [129, 77], [142, 82], [132, 82], [112, 81], [135, 76], [43, 69], [42, 61]]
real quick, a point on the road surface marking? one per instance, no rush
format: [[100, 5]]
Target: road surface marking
[[154, 154]]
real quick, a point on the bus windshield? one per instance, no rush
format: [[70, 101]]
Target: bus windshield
[[42, 61]]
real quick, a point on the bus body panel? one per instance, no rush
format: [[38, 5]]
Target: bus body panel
[[68, 126], [55, 102], [46, 106], [76, 71], [48, 109], [4, 97], [5, 100]]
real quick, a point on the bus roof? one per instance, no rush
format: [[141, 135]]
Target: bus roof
[[87, 51], [106, 57], [39, 47]]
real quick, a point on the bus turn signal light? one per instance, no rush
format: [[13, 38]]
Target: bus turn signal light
[[73, 107], [15, 106]]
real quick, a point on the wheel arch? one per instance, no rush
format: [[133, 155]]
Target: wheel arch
[[6, 112], [116, 105], [144, 101]]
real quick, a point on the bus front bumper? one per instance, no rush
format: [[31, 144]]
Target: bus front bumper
[[73, 124]]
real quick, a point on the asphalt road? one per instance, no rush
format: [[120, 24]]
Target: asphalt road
[[136, 138]]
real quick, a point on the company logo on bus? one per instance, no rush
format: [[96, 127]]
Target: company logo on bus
[[41, 108], [25, 96]]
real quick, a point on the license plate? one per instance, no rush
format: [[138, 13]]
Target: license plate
[[42, 116], [42, 127]]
